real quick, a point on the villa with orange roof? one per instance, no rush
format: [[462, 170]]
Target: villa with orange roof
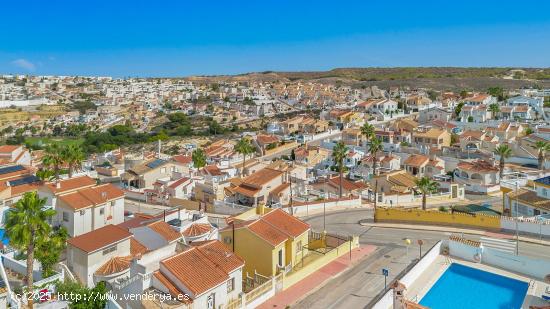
[[14, 154], [268, 185], [270, 243], [207, 274], [478, 176], [83, 206]]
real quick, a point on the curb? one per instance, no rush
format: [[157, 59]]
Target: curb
[[437, 229]]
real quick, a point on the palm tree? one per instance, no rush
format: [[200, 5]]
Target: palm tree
[[368, 131], [494, 109], [45, 175], [339, 152], [74, 156], [199, 158], [542, 147], [245, 148], [26, 225], [374, 148], [504, 151], [425, 185], [54, 158]]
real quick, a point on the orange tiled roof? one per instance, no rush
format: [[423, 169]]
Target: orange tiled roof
[[416, 160], [8, 148], [267, 232], [71, 184], [137, 248], [182, 159], [286, 222], [261, 177], [220, 254], [194, 270], [90, 196], [197, 229], [477, 166], [165, 230], [100, 238], [114, 265], [172, 289]]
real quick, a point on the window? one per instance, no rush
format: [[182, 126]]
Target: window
[[281, 257], [109, 250], [230, 285], [65, 216], [102, 211]]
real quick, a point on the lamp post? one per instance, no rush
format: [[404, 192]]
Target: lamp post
[[420, 243], [516, 219]]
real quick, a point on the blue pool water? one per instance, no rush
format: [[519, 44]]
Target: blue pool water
[[463, 287], [3, 237]]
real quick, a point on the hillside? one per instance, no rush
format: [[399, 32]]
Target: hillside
[[433, 77]]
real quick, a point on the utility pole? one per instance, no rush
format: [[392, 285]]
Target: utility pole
[[291, 201], [324, 208]]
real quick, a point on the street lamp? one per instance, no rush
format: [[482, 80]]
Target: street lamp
[[420, 243]]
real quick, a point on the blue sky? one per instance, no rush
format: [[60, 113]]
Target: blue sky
[[180, 38]]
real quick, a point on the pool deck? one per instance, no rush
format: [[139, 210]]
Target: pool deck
[[427, 279]]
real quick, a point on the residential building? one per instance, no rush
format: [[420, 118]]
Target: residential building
[[421, 165], [528, 202], [271, 243], [82, 206], [264, 186], [14, 154], [477, 176], [206, 274], [431, 137]]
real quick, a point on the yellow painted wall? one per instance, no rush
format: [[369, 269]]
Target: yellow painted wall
[[437, 217], [257, 254], [296, 253]]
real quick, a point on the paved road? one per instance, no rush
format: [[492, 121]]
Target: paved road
[[356, 287]]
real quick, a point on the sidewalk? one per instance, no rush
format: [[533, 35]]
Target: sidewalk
[[317, 279], [456, 230]]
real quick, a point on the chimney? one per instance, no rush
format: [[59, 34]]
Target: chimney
[[58, 184]]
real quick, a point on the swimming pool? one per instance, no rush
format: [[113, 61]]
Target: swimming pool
[[463, 287], [3, 237]]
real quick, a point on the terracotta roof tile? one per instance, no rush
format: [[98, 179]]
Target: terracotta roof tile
[[114, 265], [267, 232], [165, 230], [71, 184], [286, 222], [194, 270], [172, 289], [137, 248], [220, 254], [90, 196], [416, 160], [100, 238], [197, 229]]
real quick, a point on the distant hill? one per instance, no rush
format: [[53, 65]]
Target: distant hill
[[434, 77]]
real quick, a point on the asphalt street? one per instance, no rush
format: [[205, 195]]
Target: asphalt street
[[356, 287]]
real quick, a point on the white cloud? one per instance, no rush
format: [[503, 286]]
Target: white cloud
[[24, 64]]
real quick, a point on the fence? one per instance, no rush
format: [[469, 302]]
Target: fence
[[437, 218], [541, 229], [304, 208]]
